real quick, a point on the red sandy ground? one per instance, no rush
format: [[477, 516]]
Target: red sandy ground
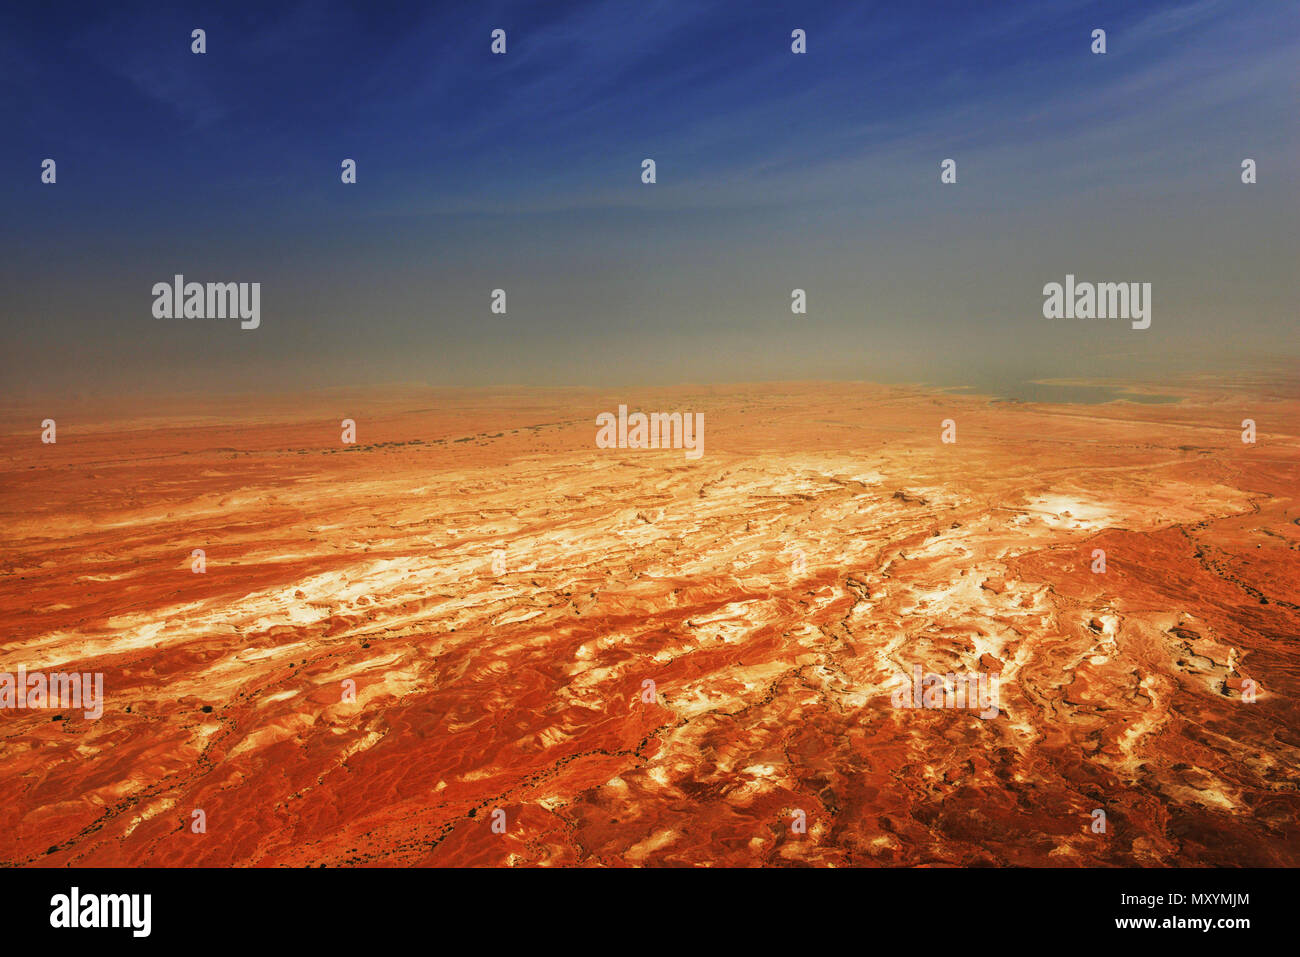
[[772, 590]]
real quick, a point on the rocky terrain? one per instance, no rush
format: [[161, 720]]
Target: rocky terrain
[[646, 660]]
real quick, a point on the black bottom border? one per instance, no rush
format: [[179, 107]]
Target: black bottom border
[[930, 907]]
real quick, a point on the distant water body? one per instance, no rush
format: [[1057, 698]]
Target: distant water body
[[1062, 394]]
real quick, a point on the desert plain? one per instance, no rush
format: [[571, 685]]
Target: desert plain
[[474, 638]]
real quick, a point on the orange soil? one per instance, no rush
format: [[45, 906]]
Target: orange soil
[[826, 542]]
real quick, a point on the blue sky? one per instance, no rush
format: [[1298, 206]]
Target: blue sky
[[522, 171]]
